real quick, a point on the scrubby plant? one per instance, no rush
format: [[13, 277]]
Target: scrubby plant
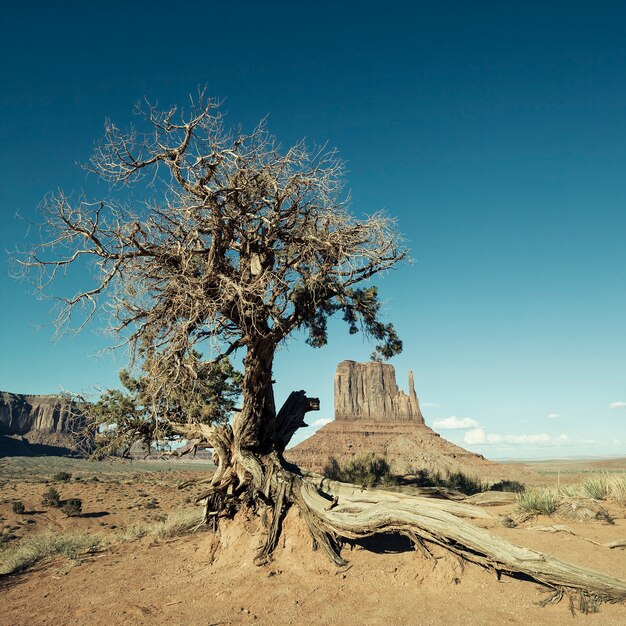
[[508, 485], [43, 546], [617, 489], [604, 486], [62, 477], [457, 481], [51, 497], [366, 470], [539, 501], [18, 507], [597, 486], [72, 507]]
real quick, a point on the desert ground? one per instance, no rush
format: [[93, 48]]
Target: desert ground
[[139, 575]]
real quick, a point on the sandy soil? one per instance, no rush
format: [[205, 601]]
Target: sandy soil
[[205, 578]]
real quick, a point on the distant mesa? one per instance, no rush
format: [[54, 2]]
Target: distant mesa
[[374, 416], [37, 424]]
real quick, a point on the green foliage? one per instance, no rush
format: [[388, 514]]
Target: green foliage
[[51, 497], [62, 477], [508, 485], [143, 412], [72, 507], [18, 507], [366, 470], [458, 481]]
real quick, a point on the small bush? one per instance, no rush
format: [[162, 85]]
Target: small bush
[[51, 497], [508, 485], [72, 507], [36, 548], [366, 470], [541, 501], [18, 507], [62, 477], [457, 481]]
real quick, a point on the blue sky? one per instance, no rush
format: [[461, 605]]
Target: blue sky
[[495, 132]]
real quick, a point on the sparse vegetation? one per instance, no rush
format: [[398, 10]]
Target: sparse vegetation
[[458, 481], [62, 477], [174, 525], [18, 507], [546, 500], [45, 546], [366, 470], [508, 485], [606, 486], [72, 507], [539, 501], [51, 497]]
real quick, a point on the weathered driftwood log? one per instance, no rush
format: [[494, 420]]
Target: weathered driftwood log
[[361, 513]]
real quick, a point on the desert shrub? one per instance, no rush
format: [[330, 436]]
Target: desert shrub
[[604, 486], [72, 507], [539, 501], [463, 483], [18, 507], [508, 485], [332, 469], [62, 477], [617, 489], [457, 481], [597, 486], [51, 497], [44, 546], [366, 470]]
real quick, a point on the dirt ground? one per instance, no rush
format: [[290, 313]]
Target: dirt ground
[[206, 578]]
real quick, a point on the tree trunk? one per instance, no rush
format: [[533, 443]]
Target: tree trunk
[[253, 427]]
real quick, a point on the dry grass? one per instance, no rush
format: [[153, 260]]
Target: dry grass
[[606, 486], [545, 500], [176, 524], [46, 546], [540, 501]]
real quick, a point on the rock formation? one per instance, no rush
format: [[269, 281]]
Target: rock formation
[[373, 416], [39, 419], [369, 391]]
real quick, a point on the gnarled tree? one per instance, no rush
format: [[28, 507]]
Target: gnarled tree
[[232, 243]]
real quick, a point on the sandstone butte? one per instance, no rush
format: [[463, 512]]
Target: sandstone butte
[[374, 416]]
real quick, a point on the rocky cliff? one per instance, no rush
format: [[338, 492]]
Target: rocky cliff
[[368, 391], [42, 419]]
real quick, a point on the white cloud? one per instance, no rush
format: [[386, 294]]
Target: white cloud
[[553, 416], [478, 436], [321, 422], [455, 423], [617, 405], [475, 436]]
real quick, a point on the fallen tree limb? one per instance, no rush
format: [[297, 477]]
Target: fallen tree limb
[[362, 513]]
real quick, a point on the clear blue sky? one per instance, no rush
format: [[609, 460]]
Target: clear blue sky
[[494, 131]]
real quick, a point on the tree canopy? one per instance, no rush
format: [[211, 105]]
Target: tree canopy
[[217, 240]]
